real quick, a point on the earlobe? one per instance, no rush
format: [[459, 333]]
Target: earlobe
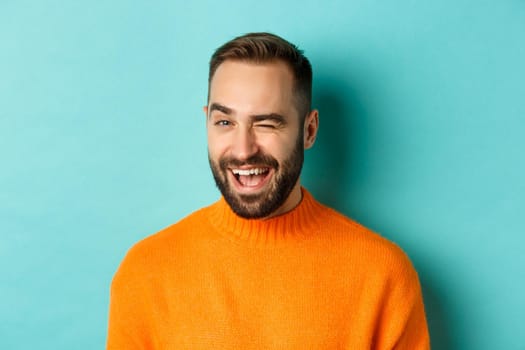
[[311, 125]]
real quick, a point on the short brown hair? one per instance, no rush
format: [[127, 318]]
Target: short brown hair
[[264, 48]]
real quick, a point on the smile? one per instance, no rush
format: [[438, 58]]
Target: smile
[[253, 177]]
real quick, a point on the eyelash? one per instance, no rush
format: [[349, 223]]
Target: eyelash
[[269, 126], [223, 123]]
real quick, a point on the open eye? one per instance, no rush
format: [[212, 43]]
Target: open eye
[[222, 122]]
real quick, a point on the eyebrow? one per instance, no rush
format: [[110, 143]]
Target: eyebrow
[[220, 108], [275, 117]]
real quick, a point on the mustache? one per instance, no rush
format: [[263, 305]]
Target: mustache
[[256, 159]]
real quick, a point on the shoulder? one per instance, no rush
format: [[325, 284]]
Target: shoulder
[[153, 251], [340, 226], [371, 249]]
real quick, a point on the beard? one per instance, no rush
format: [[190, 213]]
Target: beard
[[263, 204]]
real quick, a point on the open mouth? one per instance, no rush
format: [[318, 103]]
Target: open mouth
[[252, 177]]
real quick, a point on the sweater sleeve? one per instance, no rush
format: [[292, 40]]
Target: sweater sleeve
[[403, 324], [128, 326]]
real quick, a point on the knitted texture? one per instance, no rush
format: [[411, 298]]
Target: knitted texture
[[308, 279]]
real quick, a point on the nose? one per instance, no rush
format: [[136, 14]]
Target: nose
[[244, 144]]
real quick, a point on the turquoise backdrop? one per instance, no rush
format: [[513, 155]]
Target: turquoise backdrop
[[102, 142]]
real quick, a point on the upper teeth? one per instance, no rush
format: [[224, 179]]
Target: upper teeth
[[255, 171]]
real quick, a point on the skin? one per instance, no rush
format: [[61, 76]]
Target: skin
[[251, 112]]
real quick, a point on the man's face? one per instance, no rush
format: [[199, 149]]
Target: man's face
[[255, 138]]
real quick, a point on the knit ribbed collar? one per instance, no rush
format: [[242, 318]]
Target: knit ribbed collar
[[294, 225]]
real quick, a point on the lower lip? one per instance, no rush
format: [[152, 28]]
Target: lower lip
[[250, 189]]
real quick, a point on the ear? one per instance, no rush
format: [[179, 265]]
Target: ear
[[205, 109], [311, 125]]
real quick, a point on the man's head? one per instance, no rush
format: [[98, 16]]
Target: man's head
[[261, 48], [259, 122]]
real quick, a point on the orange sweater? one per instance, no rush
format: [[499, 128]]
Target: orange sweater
[[309, 279]]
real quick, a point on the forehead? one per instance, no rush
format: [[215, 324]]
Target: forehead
[[244, 84]]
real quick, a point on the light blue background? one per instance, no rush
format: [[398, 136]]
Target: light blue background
[[102, 142]]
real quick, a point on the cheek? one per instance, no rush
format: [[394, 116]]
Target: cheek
[[280, 148], [215, 146]]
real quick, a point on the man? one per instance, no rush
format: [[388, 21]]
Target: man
[[267, 266]]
